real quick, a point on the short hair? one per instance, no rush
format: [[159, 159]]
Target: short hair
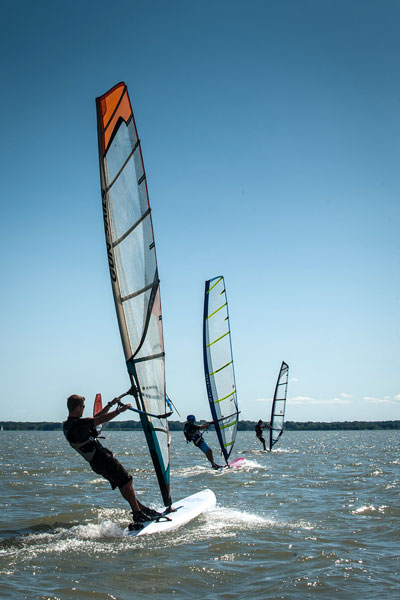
[[74, 401]]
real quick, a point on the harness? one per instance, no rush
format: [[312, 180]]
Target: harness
[[86, 448], [192, 434]]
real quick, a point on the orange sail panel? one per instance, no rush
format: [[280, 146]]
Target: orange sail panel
[[113, 107]]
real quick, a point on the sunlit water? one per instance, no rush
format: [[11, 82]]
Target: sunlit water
[[316, 518]]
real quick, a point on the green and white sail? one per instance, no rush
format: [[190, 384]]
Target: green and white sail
[[218, 364], [133, 268], [278, 406]]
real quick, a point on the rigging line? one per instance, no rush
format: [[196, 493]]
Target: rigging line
[[171, 404], [143, 412], [213, 286], [217, 340], [116, 108], [132, 228], [221, 368], [108, 188], [215, 311]]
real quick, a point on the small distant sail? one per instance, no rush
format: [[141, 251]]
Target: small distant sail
[[97, 407], [278, 406], [133, 269], [98, 404], [218, 364]]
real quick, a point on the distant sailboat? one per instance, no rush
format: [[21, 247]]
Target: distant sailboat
[[218, 366], [278, 406]]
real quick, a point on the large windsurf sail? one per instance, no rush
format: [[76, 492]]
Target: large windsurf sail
[[218, 364], [278, 406], [133, 269]]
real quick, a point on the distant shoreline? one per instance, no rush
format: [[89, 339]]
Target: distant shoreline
[[242, 425]]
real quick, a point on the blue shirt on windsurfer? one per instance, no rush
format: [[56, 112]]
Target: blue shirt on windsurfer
[[81, 433], [192, 434], [259, 431]]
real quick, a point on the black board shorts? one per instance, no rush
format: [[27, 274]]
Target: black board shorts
[[110, 468]]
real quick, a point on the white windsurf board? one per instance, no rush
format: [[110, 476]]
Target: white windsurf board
[[185, 510]]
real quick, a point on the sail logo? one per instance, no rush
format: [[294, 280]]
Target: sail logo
[[110, 257]]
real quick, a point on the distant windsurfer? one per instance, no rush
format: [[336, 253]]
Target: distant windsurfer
[[81, 433], [192, 434], [259, 431]]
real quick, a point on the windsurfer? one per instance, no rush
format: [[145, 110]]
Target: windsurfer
[[192, 434], [259, 432], [81, 433]]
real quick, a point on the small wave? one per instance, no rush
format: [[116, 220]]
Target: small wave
[[248, 465], [376, 473], [367, 509], [192, 471], [228, 518], [92, 531], [225, 522]]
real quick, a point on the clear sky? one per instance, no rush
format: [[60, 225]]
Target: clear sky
[[271, 139]]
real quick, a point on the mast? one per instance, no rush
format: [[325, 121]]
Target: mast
[[218, 364], [278, 406], [133, 268]]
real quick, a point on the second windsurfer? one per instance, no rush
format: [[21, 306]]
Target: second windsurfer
[[192, 434]]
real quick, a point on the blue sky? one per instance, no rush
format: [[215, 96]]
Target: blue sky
[[270, 136]]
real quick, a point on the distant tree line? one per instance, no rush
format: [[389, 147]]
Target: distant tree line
[[242, 425]]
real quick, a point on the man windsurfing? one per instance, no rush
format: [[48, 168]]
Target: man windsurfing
[[81, 433], [259, 431], [192, 434]]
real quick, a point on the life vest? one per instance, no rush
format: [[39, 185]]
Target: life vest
[[88, 445], [192, 434]]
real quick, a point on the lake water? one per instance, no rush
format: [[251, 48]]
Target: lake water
[[316, 518]]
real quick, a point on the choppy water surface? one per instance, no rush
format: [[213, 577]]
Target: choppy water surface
[[316, 518]]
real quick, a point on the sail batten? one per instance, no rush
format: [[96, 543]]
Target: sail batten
[[133, 268], [218, 364], [277, 420]]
